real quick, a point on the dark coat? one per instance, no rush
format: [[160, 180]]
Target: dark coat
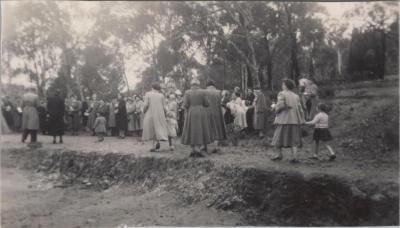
[[121, 116], [215, 116], [56, 109], [196, 129]]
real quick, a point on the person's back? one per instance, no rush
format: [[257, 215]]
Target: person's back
[[30, 99], [195, 97], [214, 111], [214, 97], [289, 109], [156, 101], [100, 124], [55, 106]]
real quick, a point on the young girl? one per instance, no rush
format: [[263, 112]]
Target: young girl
[[321, 131], [100, 126], [171, 113]]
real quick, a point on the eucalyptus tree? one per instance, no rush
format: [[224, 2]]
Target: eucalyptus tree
[[377, 16]]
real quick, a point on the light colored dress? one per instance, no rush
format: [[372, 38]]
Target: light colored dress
[[100, 125], [3, 123], [111, 115], [172, 110], [30, 116], [154, 123], [130, 109], [138, 123], [260, 108], [238, 110]]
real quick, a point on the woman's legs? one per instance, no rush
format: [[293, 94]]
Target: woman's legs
[[61, 140], [171, 147], [195, 153], [54, 139], [316, 148], [156, 146], [294, 153], [278, 152]]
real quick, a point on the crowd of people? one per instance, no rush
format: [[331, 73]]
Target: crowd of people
[[202, 117]]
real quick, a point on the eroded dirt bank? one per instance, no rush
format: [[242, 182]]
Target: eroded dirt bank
[[259, 196]]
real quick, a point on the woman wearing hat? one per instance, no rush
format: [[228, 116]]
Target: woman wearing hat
[[121, 118], [260, 108], [56, 108], [155, 125], [196, 129], [130, 109]]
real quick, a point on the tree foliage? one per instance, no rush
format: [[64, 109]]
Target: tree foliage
[[258, 42]]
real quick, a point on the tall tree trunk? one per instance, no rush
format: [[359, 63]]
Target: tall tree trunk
[[339, 61], [294, 68], [382, 60], [269, 73]]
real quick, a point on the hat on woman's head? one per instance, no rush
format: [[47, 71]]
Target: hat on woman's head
[[195, 81], [178, 92]]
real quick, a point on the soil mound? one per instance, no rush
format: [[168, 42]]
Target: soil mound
[[262, 196]]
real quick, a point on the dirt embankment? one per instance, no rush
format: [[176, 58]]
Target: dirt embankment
[[262, 196]]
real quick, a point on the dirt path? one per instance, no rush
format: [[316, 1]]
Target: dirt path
[[31, 201], [250, 153]]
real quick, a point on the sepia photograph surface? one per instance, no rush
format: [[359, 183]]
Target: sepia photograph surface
[[199, 113]]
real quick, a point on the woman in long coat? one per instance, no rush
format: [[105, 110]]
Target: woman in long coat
[[121, 117], [289, 118], [56, 108], [138, 115], [155, 125], [260, 108], [93, 107], [130, 109], [214, 111], [3, 122], [111, 123], [30, 117], [196, 129]]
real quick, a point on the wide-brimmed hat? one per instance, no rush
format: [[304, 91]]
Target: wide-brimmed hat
[[178, 92]]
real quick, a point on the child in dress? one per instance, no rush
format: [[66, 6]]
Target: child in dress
[[100, 126], [321, 131], [171, 114]]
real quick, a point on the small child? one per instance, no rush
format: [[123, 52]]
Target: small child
[[321, 130], [100, 126]]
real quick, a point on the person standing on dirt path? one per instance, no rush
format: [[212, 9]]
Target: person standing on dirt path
[[30, 116], [121, 117], [215, 116], [56, 109], [309, 97], [171, 113], [260, 109], [155, 125], [196, 129], [288, 120], [321, 131]]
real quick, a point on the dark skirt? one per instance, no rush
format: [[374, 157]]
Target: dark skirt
[[322, 134], [56, 124], [287, 135]]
